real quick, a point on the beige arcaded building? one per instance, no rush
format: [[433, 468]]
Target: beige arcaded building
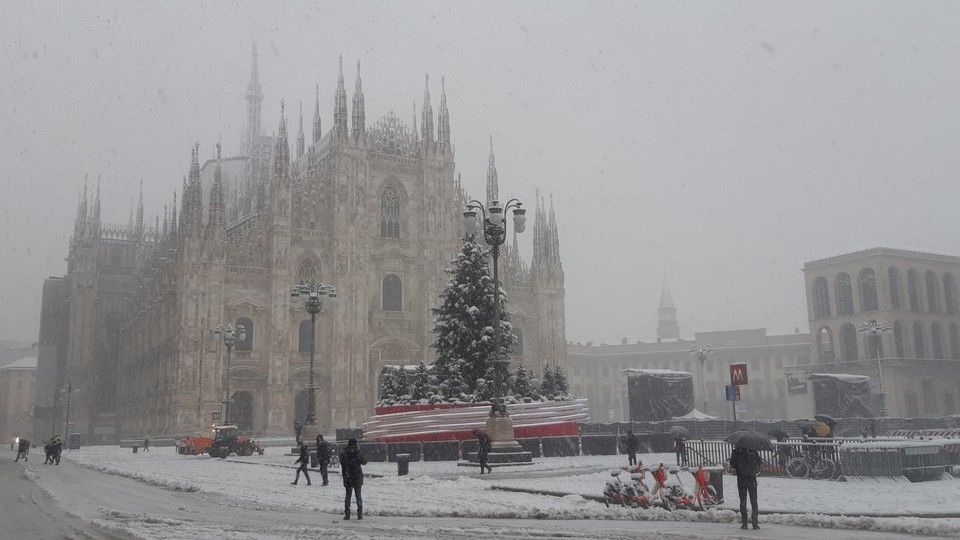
[[16, 398], [916, 295]]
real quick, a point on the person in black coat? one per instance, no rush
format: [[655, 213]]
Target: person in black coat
[[23, 448], [631, 447], [483, 450], [323, 458], [303, 460], [351, 462], [680, 448], [746, 463]]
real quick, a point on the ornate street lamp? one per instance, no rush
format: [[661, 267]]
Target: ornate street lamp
[[701, 353], [229, 335], [876, 329], [495, 234], [314, 296]]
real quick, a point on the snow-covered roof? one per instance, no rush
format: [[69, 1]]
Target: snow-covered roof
[[842, 376], [27, 362], [695, 415], [651, 371]]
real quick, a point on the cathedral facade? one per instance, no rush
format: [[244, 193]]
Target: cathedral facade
[[374, 210]]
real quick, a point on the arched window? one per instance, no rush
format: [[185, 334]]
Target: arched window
[[894, 275], [868, 290], [821, 298], [898, 338], [301, 405], [307, 273], [848, 343], [392, 293], [242, 410], [933, 292], [954, 341], [936, 340], [913, 289], [306, 336], [950, 293], [918, 350], [844, 294], [825, 345], [245, 344], [390, 212]]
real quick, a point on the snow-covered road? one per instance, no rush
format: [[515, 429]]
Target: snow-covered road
[[162, 495]]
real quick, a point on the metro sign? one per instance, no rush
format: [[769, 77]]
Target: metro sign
[[738, 374]]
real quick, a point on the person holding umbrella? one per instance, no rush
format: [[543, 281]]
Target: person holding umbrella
[[746, 462]]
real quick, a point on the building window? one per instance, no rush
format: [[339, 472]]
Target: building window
[[868, 290], [918, 349], [954, 341], [844, 294], [933, 292], [936, 340], [913, 289], [307, 273], [821, 298], [392, 293], [848, 343], [898, 338], [245, 344], [894, 275], [306, 336], [825, 345], [390, 212], [950, 293]]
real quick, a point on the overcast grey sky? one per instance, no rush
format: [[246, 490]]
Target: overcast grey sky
[[719, 144]]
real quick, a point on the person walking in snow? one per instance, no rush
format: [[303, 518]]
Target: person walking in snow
[[303, 460], [631, 448], [47, 452], [351, 468], [23, 448], [56, 445], [680, 448], [483, 450], [146, 444], [323, 458], [745, 463]]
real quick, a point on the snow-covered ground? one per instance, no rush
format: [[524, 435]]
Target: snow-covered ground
[[443, 489]]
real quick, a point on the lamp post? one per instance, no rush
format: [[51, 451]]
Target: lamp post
[[495, 234], [315, 296], [876, 329], [701, 353], [229, 335]]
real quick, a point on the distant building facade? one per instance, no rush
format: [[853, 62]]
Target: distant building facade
[[16, 398], [375, 210], [596, 371], [916, 294]]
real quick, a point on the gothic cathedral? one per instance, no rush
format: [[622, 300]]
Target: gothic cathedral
[[374, 210]]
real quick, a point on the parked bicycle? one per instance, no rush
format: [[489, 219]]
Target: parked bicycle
[[812, 465]]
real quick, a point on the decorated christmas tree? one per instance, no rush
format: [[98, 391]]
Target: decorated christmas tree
[[464, 325]]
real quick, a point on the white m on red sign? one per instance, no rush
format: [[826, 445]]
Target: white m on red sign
[[738, 374]]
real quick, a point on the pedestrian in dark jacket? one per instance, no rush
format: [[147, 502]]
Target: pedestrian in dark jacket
[[746, 463], [631, 447], [47, 452], [680, 448], [483, 450], [303, 460], [351, 462], [323, 458], [146, 444], [56, 445], [23, 448]]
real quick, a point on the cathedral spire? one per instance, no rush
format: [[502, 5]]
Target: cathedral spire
[[493, 187], [173, 218], [300, 139], [316, 116], [443, 119], [340, 107], [281, 155], [138, 225], [254, 97], [426, 122], [414, 133], [80, 223], [665, 298], [359, 113], [95, 220], [215, 219]]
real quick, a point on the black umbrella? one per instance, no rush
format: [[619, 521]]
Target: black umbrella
[[679, 431], [827, 419], [750, 440]]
